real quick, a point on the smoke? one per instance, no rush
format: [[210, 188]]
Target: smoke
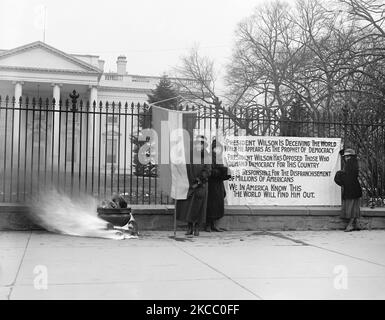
[[55, 211]]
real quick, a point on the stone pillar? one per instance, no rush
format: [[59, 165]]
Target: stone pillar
[[55, 119]]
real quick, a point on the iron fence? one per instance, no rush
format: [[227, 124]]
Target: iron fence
[[92, 147]]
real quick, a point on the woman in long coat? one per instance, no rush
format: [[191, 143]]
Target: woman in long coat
[[216, 189], [351, 190], [193, 209]]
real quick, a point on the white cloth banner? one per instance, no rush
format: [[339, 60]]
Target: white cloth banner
[[282, 171]]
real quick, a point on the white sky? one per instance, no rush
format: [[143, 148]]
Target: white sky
[[153, 34]]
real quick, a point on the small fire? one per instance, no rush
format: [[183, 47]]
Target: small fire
[[57, 212]]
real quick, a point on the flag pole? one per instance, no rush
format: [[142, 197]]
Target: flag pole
[[176, 187], [175, 220]]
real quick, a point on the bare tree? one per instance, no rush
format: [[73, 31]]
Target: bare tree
[[370, 13], [265, 64], [366, 90], [196, 79], [310, 54]]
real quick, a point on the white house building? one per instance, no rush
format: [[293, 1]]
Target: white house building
[[38, 70]]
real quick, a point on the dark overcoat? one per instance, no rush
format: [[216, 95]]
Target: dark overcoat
[[351, 186], [193, 209], [216, 194]]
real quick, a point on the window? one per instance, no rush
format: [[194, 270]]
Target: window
[[112, 119], [112, 150], [113, 77], [144, 80]]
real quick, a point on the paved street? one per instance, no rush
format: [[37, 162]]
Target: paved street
[[231, 265]]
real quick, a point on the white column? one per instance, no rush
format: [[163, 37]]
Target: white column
[[93, 95], [56, 118], [18, 90], [17, 115], [93, 157], [56, 93]]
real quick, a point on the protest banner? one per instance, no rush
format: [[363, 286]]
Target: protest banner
[[283, 171]]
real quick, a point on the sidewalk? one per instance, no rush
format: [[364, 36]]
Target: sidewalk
[[230, 265]]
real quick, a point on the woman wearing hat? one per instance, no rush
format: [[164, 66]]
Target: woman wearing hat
[[351, 190], [193, 209]]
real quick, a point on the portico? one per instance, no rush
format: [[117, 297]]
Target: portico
[[41, 71], [45, 90]]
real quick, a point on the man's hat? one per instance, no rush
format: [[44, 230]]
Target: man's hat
[[349, 152]]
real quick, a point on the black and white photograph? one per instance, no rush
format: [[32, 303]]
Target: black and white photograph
[[211, 151]]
